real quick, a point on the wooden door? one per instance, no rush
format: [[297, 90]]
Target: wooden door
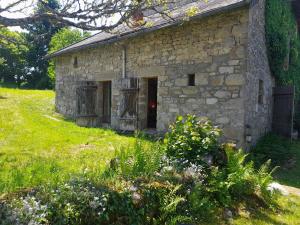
[[283, 110], [106, 102]]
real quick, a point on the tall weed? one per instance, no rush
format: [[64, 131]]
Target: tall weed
[[141, 159]]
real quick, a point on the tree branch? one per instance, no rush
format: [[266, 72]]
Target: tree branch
[[86, 14]]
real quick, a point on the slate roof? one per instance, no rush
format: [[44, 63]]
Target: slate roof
[[157, 22]]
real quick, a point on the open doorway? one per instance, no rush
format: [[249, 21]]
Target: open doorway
[[152, 103], [106, 102]]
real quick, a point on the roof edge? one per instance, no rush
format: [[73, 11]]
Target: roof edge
[[131, 34]]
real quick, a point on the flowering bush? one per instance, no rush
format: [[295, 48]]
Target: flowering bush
[[192, 141], [26, 210], [77, 202], [196, 179]]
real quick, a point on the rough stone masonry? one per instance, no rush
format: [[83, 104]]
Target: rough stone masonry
[[225, 52]]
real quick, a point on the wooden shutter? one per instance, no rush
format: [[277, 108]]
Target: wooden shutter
[[106, 102], [86, 101], [128, 107]]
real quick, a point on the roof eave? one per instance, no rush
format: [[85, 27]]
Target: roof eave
[[131, 34]]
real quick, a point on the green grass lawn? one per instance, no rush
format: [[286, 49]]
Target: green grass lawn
[[289, 214], [291, 176], [37, 145]]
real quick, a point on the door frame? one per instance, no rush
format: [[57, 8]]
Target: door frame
[[106, 87], [155, 102]]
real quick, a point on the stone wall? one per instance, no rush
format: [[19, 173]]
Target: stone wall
[[258, 117], [213, 48]]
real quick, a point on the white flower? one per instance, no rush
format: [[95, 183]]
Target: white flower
[[168, 168], [93, 204], [136, 198], [133, 188]]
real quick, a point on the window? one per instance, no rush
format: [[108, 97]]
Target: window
[[261, 92], [75, 62], [191, 80]]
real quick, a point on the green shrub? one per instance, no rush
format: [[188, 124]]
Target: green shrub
[[225, 187], [191, 140], [142, 186], [80, 202], [141, 159], [241, 176], [274, 147], [244, 180], [283, 41]]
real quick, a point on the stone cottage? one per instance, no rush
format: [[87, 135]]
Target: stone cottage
[[213, 64]]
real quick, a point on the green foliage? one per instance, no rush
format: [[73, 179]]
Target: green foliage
[[169, 203], [274, 147], [65, 37], [244, 180], [283, 153], [281, 27], [202, 192], [142, 159], [2, 61], [141, 185], [39, 146], [282, 42], [38, 39], [240, 174], [13, 51], [81, 201], [22, 55], [191, 139], [228, 186]]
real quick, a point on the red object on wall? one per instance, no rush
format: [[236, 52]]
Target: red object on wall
[[152, 105]]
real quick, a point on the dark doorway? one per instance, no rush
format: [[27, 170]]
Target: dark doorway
[[106, 102], [152, 103], [283, 110]]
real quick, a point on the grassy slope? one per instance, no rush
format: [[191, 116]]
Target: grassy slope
[[288, 213], [37, 145], [291, 177]]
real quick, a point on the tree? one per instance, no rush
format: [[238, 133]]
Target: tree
[[13, 66], [38, 39], [83, 14], [61, 39], [49, 16]]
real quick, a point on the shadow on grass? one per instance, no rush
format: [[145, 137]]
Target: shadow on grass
[[289, 173], [8, 85], [253, 209], [121, 208], [283, 153], [265, 217], [22, 87], [143, 135]]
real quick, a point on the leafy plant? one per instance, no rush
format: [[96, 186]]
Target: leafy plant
[[13, 50], [191, 140], [143, 158], [274, 147], [282, 43], [143, 186], [169, 206], [244, 180]]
